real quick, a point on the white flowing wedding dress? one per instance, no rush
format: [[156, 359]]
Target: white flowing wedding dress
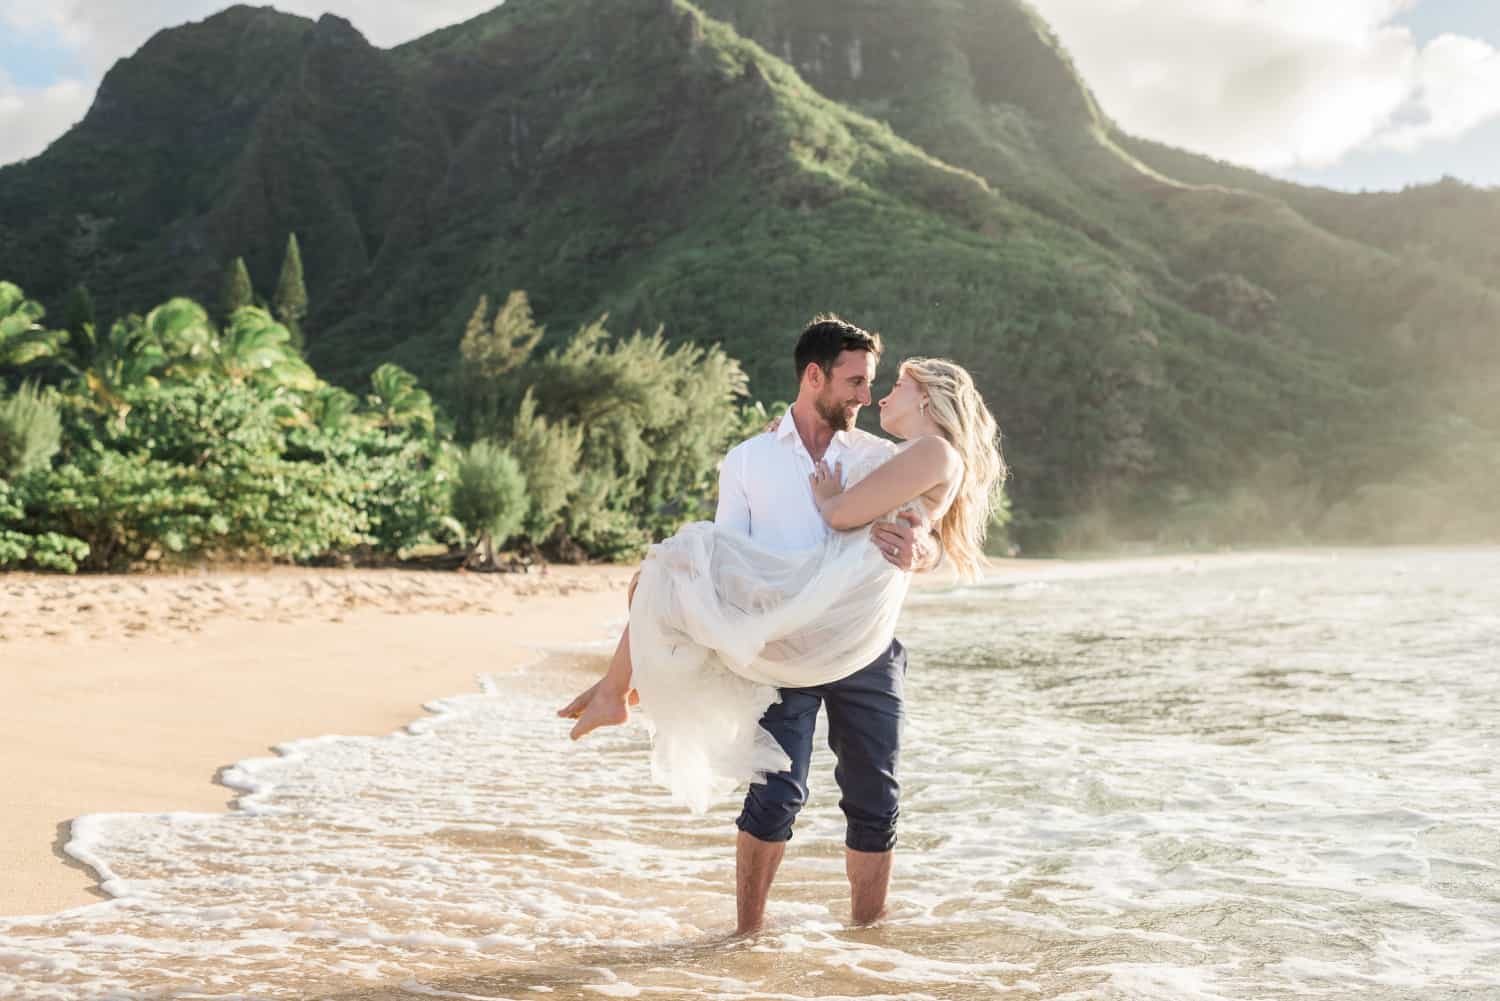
[[719, 622]]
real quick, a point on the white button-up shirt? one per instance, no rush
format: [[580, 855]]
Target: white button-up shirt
[[764, 489]]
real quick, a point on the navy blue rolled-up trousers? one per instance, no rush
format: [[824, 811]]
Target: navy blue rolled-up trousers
[[864, 732]]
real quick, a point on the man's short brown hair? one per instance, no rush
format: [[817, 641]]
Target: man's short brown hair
[[827, 337]]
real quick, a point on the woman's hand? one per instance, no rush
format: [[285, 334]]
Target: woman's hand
[[827, 483]]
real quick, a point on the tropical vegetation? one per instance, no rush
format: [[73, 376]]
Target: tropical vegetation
[[170, 438]]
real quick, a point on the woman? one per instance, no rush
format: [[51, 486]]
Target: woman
[[718, 622]]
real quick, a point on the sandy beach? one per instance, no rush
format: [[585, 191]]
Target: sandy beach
[[130, 694]]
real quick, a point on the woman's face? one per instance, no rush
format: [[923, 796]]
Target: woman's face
[[901, 407]]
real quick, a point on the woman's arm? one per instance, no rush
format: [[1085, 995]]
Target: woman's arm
[[926, 464]]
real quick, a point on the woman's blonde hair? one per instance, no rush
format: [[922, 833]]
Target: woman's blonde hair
[[958, 410]]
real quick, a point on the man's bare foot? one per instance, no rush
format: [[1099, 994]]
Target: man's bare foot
[[603, 709], [574, 709]]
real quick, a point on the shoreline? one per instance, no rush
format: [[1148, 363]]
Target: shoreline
[[134, 694], [132, 706]]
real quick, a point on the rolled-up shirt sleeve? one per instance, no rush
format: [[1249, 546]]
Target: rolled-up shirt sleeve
[[734, 503]]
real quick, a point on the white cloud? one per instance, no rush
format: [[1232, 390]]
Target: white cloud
[[31, 118], [1459, 89], [1277, 83]]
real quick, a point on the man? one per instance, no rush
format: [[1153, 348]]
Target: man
[[764, 492]]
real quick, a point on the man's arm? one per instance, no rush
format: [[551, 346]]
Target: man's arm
[[908, 544], [734, 503]]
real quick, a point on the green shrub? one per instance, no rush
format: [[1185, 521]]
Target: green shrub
[[30, 431], [193, 468], [655, 419], [24, 549], [548, 455], [129, 507], [489, 492], [400, 482]]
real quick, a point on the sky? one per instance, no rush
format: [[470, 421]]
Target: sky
[[1352, 94]]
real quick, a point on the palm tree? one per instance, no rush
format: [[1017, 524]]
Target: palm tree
[[129, 355], [23, 339], [255, 348], [184, 333], [397, 401], [331, 409]]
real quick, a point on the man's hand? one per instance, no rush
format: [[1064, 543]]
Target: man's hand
[[906, 544]]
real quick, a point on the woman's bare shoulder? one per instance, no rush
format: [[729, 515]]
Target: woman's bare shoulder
[[937, 450]]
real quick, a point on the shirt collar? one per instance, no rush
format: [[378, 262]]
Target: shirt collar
[[787, 429]]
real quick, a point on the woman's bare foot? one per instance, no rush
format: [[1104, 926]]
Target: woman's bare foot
[[574, 709], [604, 708]]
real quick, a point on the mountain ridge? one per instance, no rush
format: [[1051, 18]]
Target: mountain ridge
[[939, 170]]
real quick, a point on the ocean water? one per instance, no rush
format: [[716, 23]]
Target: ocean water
[[1249, 778]]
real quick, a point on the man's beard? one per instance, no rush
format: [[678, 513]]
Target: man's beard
[[839, 416]]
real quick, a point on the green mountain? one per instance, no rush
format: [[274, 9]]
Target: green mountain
[[1450, 222], [1175, 348]]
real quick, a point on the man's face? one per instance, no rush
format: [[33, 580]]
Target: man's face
[[846, 389]]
